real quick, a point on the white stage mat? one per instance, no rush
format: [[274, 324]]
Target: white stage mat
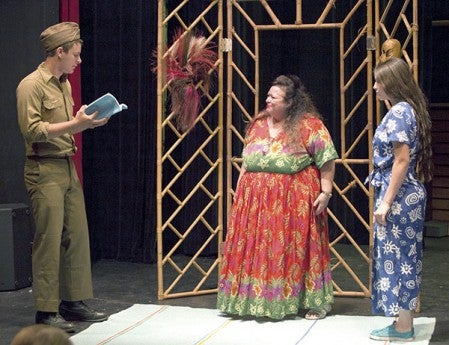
[[167, 325]]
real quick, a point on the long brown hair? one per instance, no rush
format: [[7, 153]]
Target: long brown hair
[[397, 80]]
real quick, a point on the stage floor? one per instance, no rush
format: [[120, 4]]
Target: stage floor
[[119, 285]]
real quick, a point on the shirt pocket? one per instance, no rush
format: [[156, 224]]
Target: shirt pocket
[[53, 110]]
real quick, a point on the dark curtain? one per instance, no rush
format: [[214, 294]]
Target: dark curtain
[[119, 159]]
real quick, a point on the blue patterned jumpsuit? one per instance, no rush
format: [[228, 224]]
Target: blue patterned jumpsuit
[[397, 247]]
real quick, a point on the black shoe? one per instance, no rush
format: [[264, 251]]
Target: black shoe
[[55, 320], [78, 311]]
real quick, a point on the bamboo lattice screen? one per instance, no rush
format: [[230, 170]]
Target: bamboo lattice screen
[[196, 169]]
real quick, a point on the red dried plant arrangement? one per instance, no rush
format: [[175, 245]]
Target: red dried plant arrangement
[[189, 62]]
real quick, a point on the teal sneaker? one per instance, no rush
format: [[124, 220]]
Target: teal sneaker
[[390, 333]]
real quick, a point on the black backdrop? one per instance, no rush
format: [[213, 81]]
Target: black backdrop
[[20, 53], [119, 160]]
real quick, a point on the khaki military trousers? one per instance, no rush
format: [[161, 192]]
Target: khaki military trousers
[[61, 255]]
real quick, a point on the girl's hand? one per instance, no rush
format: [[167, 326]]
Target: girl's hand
[[380, 215]]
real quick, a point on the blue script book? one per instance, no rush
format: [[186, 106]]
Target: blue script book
[[107, 105]]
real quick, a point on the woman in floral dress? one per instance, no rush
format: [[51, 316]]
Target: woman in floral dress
[[276, 257], [402, 161]]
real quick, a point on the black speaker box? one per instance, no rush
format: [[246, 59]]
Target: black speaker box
[[16, 239]]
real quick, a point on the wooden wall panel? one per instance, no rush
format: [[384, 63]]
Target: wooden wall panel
[[439, 204]]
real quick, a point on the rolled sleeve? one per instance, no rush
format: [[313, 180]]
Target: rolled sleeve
[[29, 112]]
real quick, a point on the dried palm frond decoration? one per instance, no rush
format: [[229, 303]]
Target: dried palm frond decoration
[[190, 63]]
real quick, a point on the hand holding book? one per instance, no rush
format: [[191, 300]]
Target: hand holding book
[[107, 105]]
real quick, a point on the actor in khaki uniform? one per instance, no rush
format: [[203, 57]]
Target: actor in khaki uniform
[[61, 254]]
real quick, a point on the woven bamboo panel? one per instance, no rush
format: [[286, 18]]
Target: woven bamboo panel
[[216, 140]]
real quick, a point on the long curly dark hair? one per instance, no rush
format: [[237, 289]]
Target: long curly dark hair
[[301, 104], [397, 80]]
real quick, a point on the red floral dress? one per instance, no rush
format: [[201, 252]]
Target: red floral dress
[[276, 258]]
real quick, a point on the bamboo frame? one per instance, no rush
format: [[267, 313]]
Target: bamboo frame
[[345, 85], [167, 156], [376, 27]]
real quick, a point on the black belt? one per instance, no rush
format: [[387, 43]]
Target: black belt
[[48, 157]]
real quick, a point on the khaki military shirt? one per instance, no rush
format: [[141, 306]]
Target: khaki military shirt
[[43, 99]]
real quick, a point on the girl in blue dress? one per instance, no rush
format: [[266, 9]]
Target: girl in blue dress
[[402, 163]]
